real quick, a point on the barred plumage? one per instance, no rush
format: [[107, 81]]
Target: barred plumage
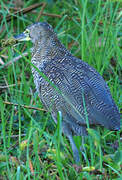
[[75, 79]]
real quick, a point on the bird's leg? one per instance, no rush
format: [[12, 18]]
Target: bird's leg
[[67, 131], [82, 148], [74, 149]]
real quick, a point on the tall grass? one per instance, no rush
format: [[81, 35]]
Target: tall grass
[[39, 151]]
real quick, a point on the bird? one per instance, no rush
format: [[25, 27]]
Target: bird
[[80, 93]]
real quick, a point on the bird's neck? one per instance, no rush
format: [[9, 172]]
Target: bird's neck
[[50, 48]]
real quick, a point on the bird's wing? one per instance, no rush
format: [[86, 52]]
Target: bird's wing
[[85, 93]]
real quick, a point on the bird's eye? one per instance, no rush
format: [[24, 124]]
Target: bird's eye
[[27, 31]]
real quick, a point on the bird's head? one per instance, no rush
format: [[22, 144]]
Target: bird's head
[[36, 32]]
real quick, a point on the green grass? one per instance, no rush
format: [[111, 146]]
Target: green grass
[[31, 144]]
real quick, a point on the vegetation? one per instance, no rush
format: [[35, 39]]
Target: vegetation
[[31, 144]]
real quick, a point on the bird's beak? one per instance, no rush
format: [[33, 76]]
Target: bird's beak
[[22, 37], [15, 39]]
